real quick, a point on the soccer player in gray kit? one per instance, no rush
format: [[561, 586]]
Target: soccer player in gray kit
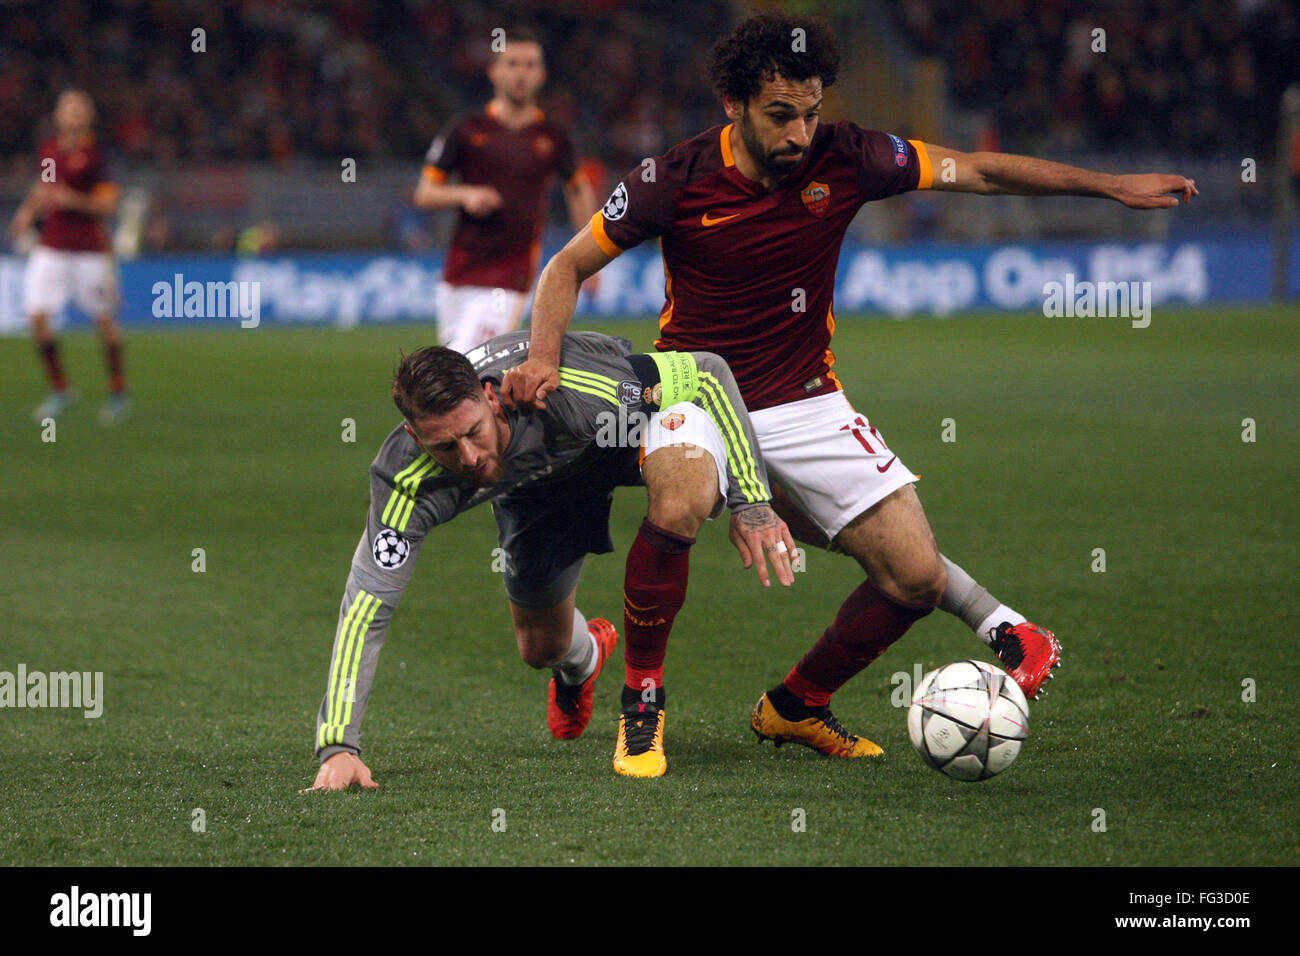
[[673, 421]]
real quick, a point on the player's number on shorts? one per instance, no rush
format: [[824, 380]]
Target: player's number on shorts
[[857, 433]]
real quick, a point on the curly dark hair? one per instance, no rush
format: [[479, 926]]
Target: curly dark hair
[[433, 381], [765, 45]]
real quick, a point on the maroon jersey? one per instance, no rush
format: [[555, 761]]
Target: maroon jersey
[[751, 274], [81, 168], [502, 249]]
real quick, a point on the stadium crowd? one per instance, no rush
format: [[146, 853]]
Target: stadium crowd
[[281, 80], [1189, 76], [264, 80], [295, 83]]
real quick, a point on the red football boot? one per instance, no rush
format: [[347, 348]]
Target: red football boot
[[568, 706], [1029, 653]]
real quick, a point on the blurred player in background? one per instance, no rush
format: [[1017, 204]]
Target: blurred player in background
[[751, 216], [73, 197], [506, 155]]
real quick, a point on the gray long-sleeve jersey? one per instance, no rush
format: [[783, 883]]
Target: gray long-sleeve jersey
[[601, 386]]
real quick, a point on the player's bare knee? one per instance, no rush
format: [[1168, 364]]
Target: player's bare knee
[[543, 635], [937, 582], [682, 484], [922, 583], [679, 511], [539, 647], [536, 657]]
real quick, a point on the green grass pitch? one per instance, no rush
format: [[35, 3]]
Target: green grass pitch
[[1071, 435]]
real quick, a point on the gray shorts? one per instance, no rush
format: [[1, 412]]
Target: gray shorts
[[545, 530]]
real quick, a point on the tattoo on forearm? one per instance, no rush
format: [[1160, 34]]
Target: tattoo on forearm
[[756, 519]]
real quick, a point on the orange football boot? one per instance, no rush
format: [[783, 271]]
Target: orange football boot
[[568, 706]]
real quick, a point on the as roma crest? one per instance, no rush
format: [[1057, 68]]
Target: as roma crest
[[816, 197], [543, 146]]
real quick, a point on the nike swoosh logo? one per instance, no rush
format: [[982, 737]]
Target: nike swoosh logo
[[885, 467], [706, 221]]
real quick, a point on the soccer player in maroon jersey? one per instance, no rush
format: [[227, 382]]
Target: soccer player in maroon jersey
[[751, 216], [506, 155], [73, 196]]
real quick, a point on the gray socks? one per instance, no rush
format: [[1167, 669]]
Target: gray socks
[[967, 600], [577, 665]]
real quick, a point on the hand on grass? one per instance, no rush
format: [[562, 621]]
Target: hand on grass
[[340, 772]]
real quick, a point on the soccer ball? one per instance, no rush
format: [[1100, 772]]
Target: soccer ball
[[968, 720]]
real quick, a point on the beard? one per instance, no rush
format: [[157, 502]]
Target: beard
[[774, 163]]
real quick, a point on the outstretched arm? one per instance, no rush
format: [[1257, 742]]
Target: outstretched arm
[[994, 174], [529, 383], [379, 575]]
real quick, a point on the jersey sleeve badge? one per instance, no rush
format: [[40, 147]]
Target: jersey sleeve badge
[[390, 550], [616, 205], [900, 150]]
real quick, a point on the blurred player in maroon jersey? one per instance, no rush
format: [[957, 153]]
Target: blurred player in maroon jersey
[[506, 155], [751, 217], [72, 197]]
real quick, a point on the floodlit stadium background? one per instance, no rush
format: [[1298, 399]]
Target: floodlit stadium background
[[231, 158]]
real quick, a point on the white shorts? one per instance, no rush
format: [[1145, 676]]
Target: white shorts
[[469, 315], [687, 424], [828, 459], [54, 276]]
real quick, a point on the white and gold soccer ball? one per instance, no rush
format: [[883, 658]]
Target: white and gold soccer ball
[[968, 720]]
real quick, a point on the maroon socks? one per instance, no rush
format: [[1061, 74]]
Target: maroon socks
[[653, 592], [867, 623]]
